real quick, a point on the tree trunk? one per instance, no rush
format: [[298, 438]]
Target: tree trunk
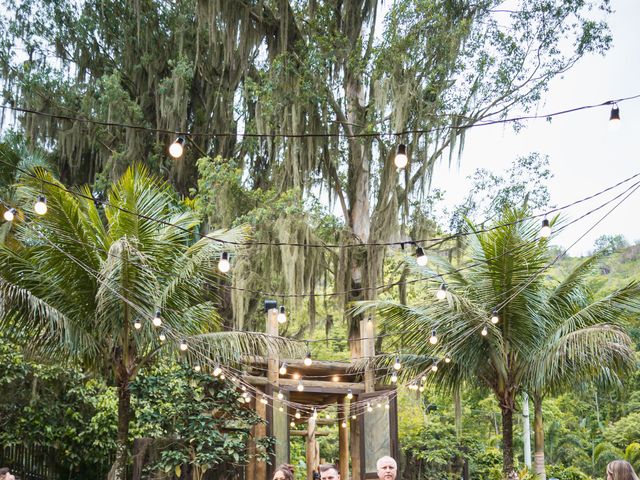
[[538, 428], [124, 416], [526, 430], [507, 442]]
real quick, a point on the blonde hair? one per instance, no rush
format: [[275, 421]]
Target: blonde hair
[[621, 470]]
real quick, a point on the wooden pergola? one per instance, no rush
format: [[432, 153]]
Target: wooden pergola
[[367, 437]]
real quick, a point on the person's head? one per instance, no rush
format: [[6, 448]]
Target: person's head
[[283, 472], [329, 471], [387, 468], [620, 470], [5, 474]]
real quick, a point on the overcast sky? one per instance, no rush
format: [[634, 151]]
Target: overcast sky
[[585, 154]]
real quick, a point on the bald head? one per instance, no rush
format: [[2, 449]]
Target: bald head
[[387, 468]]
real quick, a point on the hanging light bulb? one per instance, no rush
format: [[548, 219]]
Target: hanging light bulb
[[283, 369], [401, 158], [434, 367], [223, 265], [162, 337], [280, 395], [297, 415], [397, 365], [441, 294], [40, 206], [394, 377], [296, 376], [157, 321], [433, 339], [421, 258], [183, 345], [614, 117], [10, 214], [545, 231], [484, 331], [282, 316], [421, 388], [494, 316], [176, 149], [386, 405], [307, 359], [222, 377], [137, 325], [353, 417], [378, 405], [344, 424], [243, 388], [281, 408], [217, 371], [413, 386], [369, 407], [349, 394], [447, 359], [300, 386], [264, 400], [197, 368]]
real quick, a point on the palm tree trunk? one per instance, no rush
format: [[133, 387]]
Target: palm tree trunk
[[507, 441], [538, 427], [124, 417]]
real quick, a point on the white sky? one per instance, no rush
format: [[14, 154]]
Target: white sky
[[585, 155]]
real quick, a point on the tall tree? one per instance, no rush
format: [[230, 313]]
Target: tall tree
[[84, 283], [504, 270]]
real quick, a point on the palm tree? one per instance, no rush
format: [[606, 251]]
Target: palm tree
[[584, 340], [81, 280], [504, 271]]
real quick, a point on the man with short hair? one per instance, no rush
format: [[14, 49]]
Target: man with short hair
[[329, 471], [387, 468]]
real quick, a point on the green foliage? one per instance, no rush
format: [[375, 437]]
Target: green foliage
[[565, 473]]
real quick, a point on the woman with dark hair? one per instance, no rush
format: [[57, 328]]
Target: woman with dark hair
[[5, 474], [283, 472], [620, 470]]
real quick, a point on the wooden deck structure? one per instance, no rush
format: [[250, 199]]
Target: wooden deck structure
[[368, 437]]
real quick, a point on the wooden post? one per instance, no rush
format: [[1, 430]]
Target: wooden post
[[354, 427], [312, 448], [272, 360], [343, 442], [367, 332]]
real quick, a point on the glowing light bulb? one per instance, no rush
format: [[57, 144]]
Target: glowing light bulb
[[369, 407], [394, 377], [222, 377], [40, 206], [280, 395], [614, 117], [137, 325], [197, 368], [300, 386], [447, 360], [264, 400], [10, 214], [401, 158], [157, 321], [162, 337], [335, 378], [397, 365], [433, 339], [354, 416], [281, 408], [176, 149], [297, 415], [441, 294], [296, 376], [344, 424], [434, 367], [421, 258], [484, 331], [413, 386], [223, 265], [217, 371], [292, 424], [349, 394], [282, 316], [283, 369], [494, 317], [379, 405], [545, 231], [421, 389], [183, 345], [307, 359]]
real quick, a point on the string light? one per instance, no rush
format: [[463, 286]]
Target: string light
[[349, 394], [307, 359], [484, 331], [397, 365], [281, 408], [614, 117], [223, 265], [10, 214], [545, 231], [369, 407], [183, 345], [264, 400], [162, 337], [296, 376], [222, 377], [353, 417], [394, 377], [137, 325], [421, 388], [282, 316], [300, 386], [283, 369], [197, 368], [335, 378], [177, 148], [494, 316], [378, 404], [447, 359], [280, 395], [421, 258], [157, 321], [40, 206], [386, 405], [292, 424], [433, 339], [434, 367], [344, 424], [217, 370], [441, 294], [413, 386], [297, 415], [401, 158]]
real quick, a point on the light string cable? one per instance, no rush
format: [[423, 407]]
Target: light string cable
[[338, 134], [435, 240]]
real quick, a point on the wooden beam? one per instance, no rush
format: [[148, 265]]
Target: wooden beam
[[318, 366], [309, 385], [302, 433], [343, 443]]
